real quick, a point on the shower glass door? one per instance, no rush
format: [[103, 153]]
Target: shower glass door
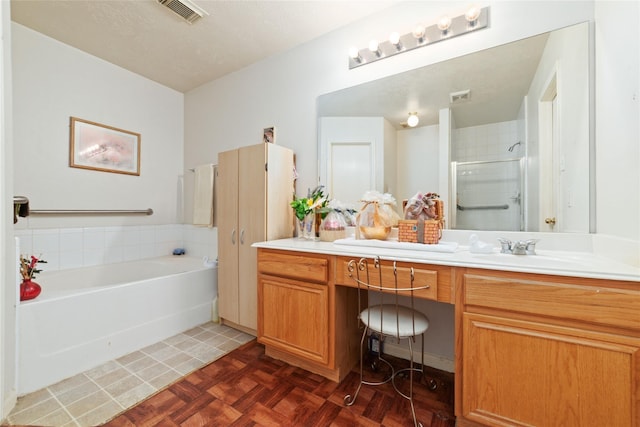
[[489, 195]]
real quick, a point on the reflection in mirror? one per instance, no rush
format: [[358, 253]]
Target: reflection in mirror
[[503, 135]]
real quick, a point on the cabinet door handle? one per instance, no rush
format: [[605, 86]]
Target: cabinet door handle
[[233, 236], [242, 236]]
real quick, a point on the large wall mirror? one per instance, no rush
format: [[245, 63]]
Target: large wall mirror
[[503, 135]]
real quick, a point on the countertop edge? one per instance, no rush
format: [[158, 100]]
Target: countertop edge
[[584, 265]]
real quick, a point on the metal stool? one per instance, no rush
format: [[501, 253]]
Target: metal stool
[[388, 318]]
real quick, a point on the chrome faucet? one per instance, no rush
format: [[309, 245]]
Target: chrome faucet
[[520, 247]]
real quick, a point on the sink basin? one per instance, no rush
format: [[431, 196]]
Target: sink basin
[[540, 260]]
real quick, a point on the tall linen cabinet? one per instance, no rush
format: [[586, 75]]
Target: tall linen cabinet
[[254, 186]]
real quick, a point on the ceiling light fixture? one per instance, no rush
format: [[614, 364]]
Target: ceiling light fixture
[[446, 28], [413, 120]]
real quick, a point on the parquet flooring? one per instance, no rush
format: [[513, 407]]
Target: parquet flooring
[[247, 388]]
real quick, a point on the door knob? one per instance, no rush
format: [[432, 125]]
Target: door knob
[[550, 221]]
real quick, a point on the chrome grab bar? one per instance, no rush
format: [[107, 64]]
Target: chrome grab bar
[[479, 208], [91, 212]]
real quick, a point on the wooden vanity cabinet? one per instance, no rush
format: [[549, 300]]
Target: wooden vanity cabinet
[[538, 350], [299, 309], [438, 277]]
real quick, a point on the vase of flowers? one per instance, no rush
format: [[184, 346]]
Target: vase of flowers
[[28, 288], [305, 209]]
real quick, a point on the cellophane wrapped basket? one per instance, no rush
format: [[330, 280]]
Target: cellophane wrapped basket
[[377, 216], [423, 219]]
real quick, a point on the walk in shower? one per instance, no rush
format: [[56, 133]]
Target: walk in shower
[[489, 194]]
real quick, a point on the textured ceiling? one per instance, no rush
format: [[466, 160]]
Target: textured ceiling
[[148, 39]]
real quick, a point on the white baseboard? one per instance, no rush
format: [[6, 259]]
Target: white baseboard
[[10, 400]]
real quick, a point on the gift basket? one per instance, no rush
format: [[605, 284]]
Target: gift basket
[[423, 219], [333, 227], [376, 217], [337, 217]]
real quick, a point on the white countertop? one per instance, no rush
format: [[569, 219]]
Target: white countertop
[[556, 262]]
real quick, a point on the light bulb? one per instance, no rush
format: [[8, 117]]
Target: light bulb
[[418, 32], [374, 47], [444, 23], [354, 54], [413, 120], [394, 39], [472, 14]]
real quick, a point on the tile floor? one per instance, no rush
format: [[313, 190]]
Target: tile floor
[[94, 397]]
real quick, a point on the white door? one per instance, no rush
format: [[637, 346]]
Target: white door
[[350, 156], [550, 177]]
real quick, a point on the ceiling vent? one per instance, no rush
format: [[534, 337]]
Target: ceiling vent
[[185, 8], [461, 96]]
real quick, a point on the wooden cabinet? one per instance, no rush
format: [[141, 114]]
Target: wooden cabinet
[[530, 349], [437, 277], [303, 319], [254, 186], [547, 350]]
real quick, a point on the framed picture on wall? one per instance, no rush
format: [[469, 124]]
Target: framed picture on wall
[[103, 148], [269, 135]]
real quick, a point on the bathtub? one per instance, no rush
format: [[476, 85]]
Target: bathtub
[[87, 316]]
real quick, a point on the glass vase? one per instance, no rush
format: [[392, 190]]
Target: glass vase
[[306, 227], [29, 289]]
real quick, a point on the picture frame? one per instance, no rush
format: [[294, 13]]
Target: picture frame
[[269, 135], [99, 147]]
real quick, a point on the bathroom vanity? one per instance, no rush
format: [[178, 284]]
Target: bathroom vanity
[[548, 339]]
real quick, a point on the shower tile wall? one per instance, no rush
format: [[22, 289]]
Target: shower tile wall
[[488, 142], [65, 248]]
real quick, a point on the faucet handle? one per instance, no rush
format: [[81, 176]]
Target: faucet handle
[[506, 245], [531, 246]]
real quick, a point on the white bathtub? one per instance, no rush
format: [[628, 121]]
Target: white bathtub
[[87, 316]]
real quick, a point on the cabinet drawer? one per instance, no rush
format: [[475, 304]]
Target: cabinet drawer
[[585, 302], [422, 276], [303, 267]]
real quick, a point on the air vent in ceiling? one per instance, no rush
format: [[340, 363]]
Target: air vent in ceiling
[[461, 96], [185, 8]]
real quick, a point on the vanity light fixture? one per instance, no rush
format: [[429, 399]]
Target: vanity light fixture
[[418, 33], [471, 15], [446, 28], [374, 47], [444, 24], [355, 55], [394, 39], [413, 120]]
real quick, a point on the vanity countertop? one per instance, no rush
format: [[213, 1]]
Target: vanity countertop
[[555, 262]]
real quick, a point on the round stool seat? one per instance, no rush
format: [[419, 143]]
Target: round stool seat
[[397, 321]]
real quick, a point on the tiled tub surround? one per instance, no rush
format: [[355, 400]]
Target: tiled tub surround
[[97, 395], [65, 248], [89, 315]]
